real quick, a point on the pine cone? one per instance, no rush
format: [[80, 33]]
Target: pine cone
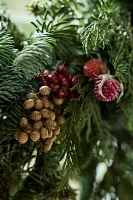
[[22, 137], [31, 96], [47, 147], [16, 133], [38, 104], [46, 102], [57, 130], [45, 113], [35, 115], [28, 104], [44, 90], [23, 122], [60, 119], [44, 133], [52, 115], [58, 101], [37, 125], [35, 136], [51, 105], [28, 128], [50, 133], [50, 124]]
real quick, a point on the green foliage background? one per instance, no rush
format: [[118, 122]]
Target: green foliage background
[[71, 32]]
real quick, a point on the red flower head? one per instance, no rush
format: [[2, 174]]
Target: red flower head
[[93, 68]]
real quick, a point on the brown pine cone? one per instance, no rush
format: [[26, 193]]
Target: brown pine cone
[[47, 147], [28, 104], [31, 95], [22, 137], [50, 124], [44, 90], [38, 104], [35, 115], [60, 119], [16, 133], [57, 130], [44, 133], [52, 115], [35, 136], [50, 134], [23, 122], [37, 125], [51, 105], [46, 102], [28, 128], [45, 113], [58, 101]]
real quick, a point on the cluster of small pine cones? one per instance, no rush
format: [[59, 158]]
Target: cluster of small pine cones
[[42, 123]]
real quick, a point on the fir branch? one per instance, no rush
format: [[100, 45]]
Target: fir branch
[[62, 29], [6, 49], [36, 56]]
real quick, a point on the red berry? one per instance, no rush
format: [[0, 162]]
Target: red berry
[[54, 87], [74, 80], [73, 94], [65, 82], [60, 77], [66, 92], [62, 69], [45, 82], [53, 78], [39, 77], [69, 76], [60, 93]]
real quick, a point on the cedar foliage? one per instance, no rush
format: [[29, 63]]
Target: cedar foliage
[[70, 32]]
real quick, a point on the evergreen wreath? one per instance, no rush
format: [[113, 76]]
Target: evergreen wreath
[[66, 100]]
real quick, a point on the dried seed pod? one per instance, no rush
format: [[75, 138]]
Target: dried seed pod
[[47, 148], [35, 136], [48, 141], [28, 104], [53, 138], [52, 115], [31, 96], [37, 125], [23, 122], [35, 115], [38, 104], [57, 130], [28, 128], [50, 124], [22, 137], [46, 102], [44, 133], [60, 119], [44, 90], [58, 101], [50, 133], [45, 113], [51, 105], [16, 133]]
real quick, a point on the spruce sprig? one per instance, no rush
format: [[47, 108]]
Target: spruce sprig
[[62, 29], [6, 49], [35, 56]]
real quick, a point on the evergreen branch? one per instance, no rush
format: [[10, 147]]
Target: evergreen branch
[[36, 56], [62, 29], [6, 49]]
